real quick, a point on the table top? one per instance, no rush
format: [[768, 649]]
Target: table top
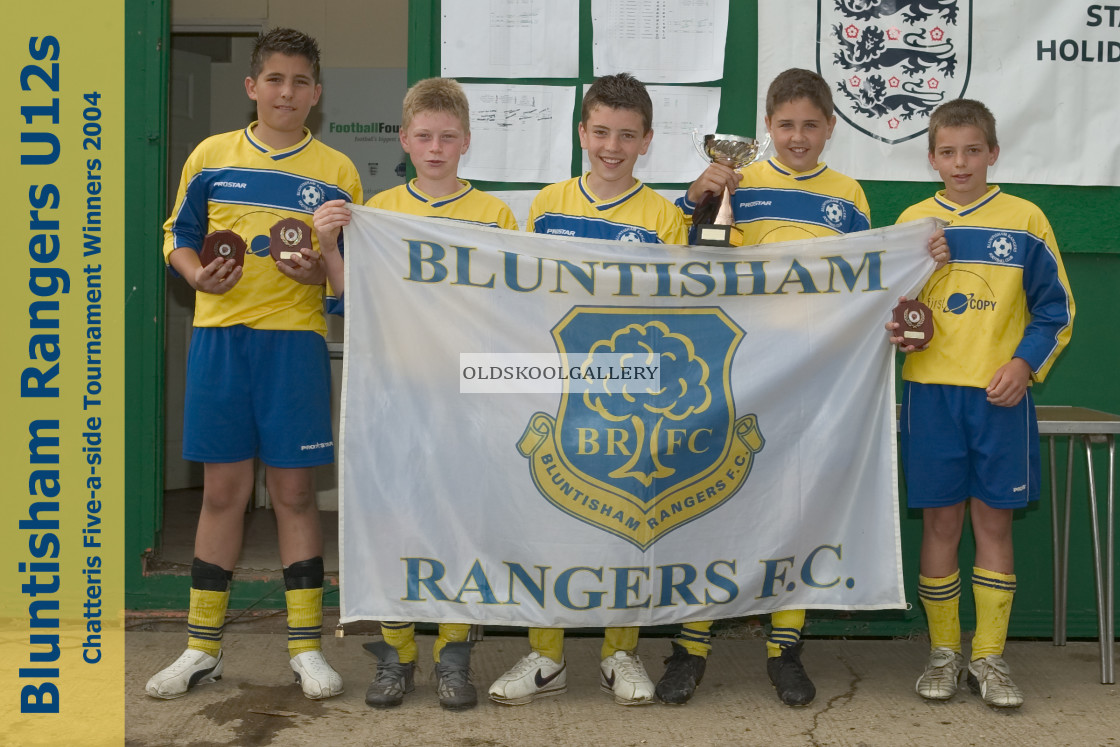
[[1055, 419]]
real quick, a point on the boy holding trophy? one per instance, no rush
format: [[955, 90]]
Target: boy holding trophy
[[790, 196]]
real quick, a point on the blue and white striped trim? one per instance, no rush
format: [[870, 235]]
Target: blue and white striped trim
[[304, 632], [613, 203], [979, 579], [785, 637], [942, 593], [278, 155], [808, 175], [205, 632], [962, 211]]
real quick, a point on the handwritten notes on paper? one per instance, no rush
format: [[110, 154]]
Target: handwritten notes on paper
[[519, 133]]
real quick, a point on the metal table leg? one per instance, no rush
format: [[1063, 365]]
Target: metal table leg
[[1059, 528], [1103, 570]]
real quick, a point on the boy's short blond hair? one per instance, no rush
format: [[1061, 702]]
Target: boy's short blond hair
[[963, 113], [437, 95], [620, 91], [798, 83]]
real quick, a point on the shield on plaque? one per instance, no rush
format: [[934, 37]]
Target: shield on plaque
[[633, 458], [890, 63]]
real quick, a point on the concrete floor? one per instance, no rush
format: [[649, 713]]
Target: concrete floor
[[864, 688], [865, 697]]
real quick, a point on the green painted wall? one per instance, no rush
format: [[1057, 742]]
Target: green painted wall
[[146, 56]]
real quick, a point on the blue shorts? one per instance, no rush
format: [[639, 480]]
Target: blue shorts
[[955, 445], [258, 392]]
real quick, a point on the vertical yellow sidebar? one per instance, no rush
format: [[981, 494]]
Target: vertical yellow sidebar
[[62, 375]]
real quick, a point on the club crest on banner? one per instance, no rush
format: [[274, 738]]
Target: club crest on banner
[[631, 458], [892, 62]]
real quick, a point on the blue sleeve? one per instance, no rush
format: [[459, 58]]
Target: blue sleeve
[[1049, 302], [337, 304], [685, 205], [189, 226], [859, 221]]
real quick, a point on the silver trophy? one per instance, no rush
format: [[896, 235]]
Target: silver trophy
[[713, 217]]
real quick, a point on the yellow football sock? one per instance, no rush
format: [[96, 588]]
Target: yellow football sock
[[618, 639], [785, 631], [993, 593], [305, 620], [206, 620], [402, 637], [941, 598], [449, 633], [548, 642], [696, 638]]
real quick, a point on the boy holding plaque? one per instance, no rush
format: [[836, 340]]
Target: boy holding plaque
[[435, 133], [607, 202], [1002, 312], [258, 373], [791, 196]]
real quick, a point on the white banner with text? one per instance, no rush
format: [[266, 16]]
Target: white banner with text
[[755, 472]]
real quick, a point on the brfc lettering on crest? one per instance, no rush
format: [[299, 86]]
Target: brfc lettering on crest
[[892, 62], [632, 460]]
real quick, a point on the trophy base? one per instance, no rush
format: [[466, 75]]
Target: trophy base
[[716, 234]]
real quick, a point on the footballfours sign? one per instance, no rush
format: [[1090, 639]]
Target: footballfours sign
[[736, 455], [890, 63]]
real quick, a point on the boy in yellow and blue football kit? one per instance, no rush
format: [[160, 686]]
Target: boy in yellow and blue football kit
[[793, 195], [258, 373], [605, 203], [790, 196], [1002, 312], [435, 133]]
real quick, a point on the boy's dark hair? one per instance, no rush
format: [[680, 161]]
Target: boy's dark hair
[[286, 41], [621, 91], [437, 95], [798, 83], [963, 113]]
